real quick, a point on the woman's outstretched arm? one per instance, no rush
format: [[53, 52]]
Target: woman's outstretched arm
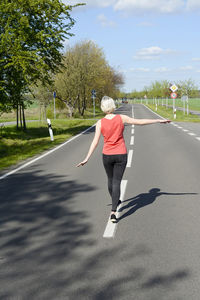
[[93, 144], [133, 121]]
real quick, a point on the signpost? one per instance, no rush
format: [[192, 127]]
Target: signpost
[[94, 97], [174, 88]]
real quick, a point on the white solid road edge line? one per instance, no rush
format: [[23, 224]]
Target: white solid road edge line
[[45, 154], [111, 227]]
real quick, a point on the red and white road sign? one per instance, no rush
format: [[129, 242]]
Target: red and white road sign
[[173, 95]]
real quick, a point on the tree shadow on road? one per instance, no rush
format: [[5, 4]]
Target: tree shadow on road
[[144, 199], [49, 251]]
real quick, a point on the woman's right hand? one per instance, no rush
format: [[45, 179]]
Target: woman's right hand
[[82, 163]]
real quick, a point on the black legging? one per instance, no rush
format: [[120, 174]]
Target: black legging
[[115, 166]]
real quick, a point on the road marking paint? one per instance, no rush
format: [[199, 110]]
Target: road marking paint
[[45, 154], [185, 130], [132, 131], [130, 156], [198, 138], [133, 126], [132, 140], [179, 127], [191, 133], [110, 229]]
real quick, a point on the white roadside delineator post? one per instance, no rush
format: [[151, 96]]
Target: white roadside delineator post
[[50, 129], [174, 113]]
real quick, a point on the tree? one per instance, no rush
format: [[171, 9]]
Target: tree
[[31, 39], [85, 69], [187, 87], [43, 94]]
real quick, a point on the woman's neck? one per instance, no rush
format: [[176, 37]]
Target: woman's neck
[[109, 115]]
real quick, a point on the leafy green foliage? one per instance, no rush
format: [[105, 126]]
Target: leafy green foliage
[[85, 69], [161, 89], [31, 39]]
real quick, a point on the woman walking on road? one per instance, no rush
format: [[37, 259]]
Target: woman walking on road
[[114, 149]]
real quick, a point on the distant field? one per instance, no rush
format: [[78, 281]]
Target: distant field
[[33, 113], [194, 103], [167, 113]]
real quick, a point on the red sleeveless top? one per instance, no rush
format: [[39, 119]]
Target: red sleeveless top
[[112, 131]]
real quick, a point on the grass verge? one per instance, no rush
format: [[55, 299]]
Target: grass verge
[[16, 146], [167, 113]]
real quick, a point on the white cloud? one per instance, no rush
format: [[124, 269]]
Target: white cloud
[[196, 59], [142, 6], [93, 3], [193, 4], [145, 70], [152, 53], [186, 68], [162, 70], [145, 6], [105, 22]]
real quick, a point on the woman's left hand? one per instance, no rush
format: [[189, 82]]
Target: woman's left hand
[[165, 121]]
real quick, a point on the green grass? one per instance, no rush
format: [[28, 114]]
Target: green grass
[[168, 114], [194, 103], [16, 146]]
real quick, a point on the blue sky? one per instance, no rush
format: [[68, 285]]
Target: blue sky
[[145, 40]]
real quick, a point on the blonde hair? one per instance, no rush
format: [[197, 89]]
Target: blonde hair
[[107, 104]]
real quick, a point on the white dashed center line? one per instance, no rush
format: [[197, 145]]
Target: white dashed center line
[[191, 133], [132, 140], [111, 227], [130, 156]]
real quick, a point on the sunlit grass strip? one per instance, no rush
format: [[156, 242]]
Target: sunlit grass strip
[[167, 113], [194, 103], [16, 146]]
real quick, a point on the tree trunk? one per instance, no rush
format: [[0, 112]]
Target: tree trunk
[[79, 105], [40, 113], [45, 113], [70, 109], [83, 107], [20, 115], [24, 121], [17, 117]]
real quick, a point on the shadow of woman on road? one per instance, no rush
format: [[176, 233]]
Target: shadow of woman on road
[[144, 199]]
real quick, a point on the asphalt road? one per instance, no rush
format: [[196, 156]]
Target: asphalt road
[[53, 217], [14, 122]]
